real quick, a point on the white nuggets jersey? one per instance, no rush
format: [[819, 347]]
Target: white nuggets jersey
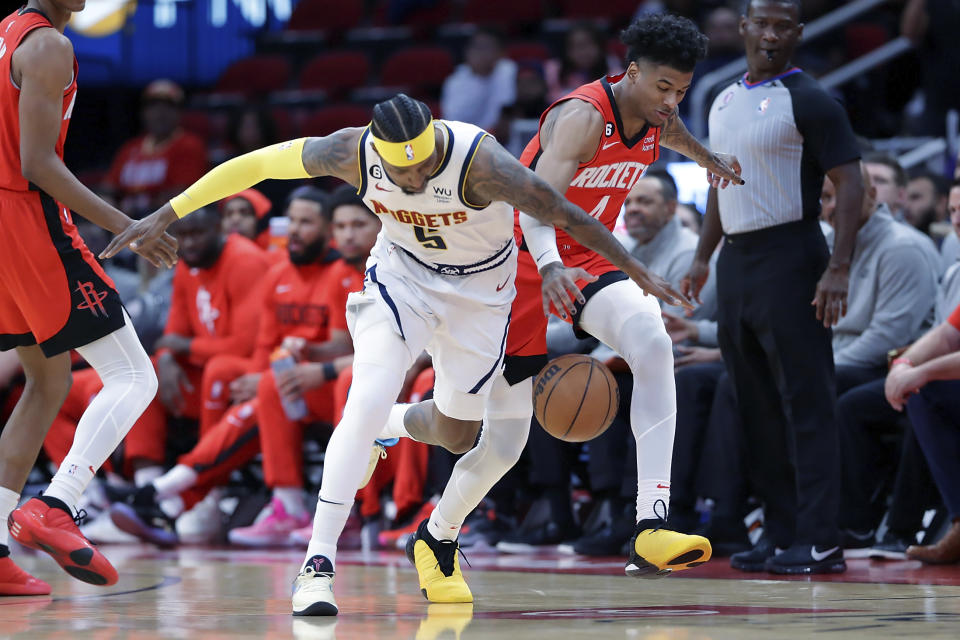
[[438, 228]]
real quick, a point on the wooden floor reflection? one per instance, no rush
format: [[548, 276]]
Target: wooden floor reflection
[[223, 593]]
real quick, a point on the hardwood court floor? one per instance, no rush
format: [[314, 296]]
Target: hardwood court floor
[[223, 593]]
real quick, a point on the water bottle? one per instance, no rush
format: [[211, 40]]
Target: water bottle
[[278, 233], [295, 408]]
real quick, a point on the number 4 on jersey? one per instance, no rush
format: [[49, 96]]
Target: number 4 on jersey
[[433, 241], [598, 210]]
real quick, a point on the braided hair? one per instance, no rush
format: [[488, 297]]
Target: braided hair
[[399, 119]]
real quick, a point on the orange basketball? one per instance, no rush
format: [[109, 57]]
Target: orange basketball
[[575, 397]]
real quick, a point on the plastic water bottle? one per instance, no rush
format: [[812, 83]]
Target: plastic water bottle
[[295, 408], [278, 233]]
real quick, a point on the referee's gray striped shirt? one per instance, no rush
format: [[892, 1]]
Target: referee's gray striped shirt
[[787, 132]]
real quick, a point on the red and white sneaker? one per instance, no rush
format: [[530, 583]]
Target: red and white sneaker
[[14, 581], [270, 530], [46, 524]]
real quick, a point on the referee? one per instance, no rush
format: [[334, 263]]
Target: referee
[[779, 290]]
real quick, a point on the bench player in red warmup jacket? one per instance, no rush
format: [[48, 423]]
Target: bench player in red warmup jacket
[[54, 297]]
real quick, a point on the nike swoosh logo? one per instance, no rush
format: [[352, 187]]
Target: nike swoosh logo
[[819, 556], [500, 287], [661, 486], [379, 188], [610, 144]]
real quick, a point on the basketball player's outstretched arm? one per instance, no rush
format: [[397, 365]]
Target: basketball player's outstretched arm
[[722, 168], [496, 175], [42, 66], [334, 155]]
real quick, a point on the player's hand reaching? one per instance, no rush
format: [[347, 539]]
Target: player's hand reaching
[[722, 169], [652, 284], [560, 288], [149, 238]]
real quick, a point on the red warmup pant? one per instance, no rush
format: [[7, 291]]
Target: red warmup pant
[[235, 439], [218, 373], [281, 438], [405, 466], [229, 444], [146, 440]]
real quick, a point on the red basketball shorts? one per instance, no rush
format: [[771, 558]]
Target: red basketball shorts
[[52, 290]]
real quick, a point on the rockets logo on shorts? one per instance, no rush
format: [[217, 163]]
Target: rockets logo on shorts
[[92, 299]]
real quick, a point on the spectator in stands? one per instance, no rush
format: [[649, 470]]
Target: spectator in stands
[[925, 200], [950, 248], [301, 305], [926, 378], [584, 60], [721, 27], [690, 218], [530, 103], [253, 127], [933, 25], [212, 313], [889, 179], [233, 380], [479, 88], [248, 214], [150, 169]]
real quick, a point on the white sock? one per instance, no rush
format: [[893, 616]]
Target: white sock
[[145, 475], [71, 479], [394, 427], [440, 529], [292, 499], [8, 502], [178, 479], [648, 494], [172, 506], [129, 384], [328, 523]]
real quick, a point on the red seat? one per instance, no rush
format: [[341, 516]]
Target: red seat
[[326, 15], [609, 9], [419, 67], [505, 13], [255, 75], [336, 73], [528, 51], [329, 119]]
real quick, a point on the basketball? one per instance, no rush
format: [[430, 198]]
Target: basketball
[[575, 398]]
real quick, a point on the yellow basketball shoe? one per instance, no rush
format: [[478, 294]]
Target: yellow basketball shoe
[[656, 552], [437, 566]]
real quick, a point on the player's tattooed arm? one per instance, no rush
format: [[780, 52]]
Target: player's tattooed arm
[[497, 175], [334, 155], [722, 168]]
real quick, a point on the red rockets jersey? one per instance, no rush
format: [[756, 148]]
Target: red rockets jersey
[[13, 29], [600, 185]]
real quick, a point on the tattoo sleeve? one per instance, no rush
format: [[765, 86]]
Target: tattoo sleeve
[[676, 136], [334, 155], [497, 175]]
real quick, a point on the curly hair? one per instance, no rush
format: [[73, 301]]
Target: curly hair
[[665, 39]]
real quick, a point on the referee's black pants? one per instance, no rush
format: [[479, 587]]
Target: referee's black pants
[[781, 362]]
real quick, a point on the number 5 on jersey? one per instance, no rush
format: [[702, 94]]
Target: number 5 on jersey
[[432, 241]]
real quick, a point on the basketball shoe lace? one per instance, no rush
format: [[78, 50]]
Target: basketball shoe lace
[[445, 552]]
